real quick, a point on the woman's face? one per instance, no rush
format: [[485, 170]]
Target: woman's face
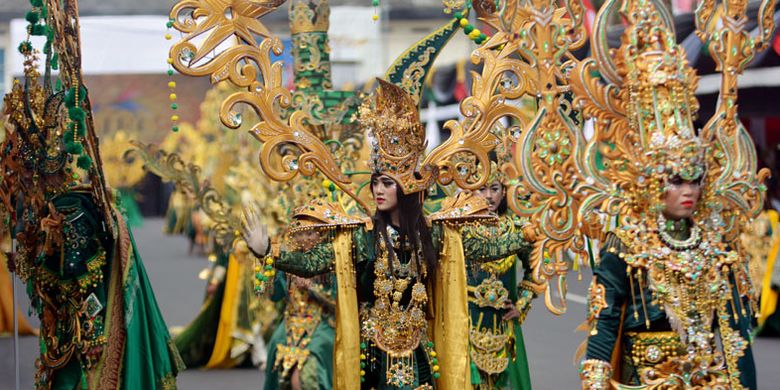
[[493, 193], [680, 198], [385, 191]]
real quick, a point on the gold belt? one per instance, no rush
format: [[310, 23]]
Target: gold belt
[[650, 348]]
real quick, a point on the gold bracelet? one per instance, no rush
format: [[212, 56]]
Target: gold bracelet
[[595, 374]]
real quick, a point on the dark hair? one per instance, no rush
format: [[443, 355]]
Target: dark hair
[[502, 207], [411, 220]]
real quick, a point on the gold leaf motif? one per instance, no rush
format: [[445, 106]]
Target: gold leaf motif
[[247, 65], [187, 177]]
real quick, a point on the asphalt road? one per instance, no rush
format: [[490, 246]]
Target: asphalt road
[[551, 341]]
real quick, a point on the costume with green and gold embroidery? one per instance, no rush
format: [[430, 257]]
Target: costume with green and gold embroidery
[[497, 349], [101, 327], [376, 295]]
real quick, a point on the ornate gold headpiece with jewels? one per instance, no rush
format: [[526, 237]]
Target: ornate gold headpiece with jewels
[[639, 102], [650, 137], [400, 95], [397, 138], [503, 169]]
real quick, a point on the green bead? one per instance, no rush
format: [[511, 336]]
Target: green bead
[[375, 3], [430, 344], [170, 72], [175, 129], [436, 375], [362, 345], [362, 364], [269, 267], [458, 15], [434, 361], [468, 29], [174, 106], [482, 36], [169, 24]]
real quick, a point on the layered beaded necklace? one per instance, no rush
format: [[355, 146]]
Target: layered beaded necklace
[[688, 274], [393, 328]]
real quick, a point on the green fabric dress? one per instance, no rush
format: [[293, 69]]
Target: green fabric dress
[[316, 371], [129, 207], [611, 273], [100, 284], [319, 260], [486, 317]]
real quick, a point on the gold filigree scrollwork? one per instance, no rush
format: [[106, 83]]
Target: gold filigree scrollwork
[[503, 78], [187, 178], [551, 144], [681, 373], [247, 65], [733, 170], [208, 25]]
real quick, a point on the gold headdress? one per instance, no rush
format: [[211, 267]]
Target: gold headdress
[[398, 98], [651, 136], [397, 138], [639, 101], [503, 169]]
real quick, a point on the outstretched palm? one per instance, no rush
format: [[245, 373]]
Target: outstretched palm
[[254, 231]]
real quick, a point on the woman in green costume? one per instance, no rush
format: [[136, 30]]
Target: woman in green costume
[[100, 326], [497, 350], [300, 351], [196, 341], [401, 280]]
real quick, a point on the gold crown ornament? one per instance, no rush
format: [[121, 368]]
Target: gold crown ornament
[[657, 140], [503, 168], [397, 138], [311, 17]]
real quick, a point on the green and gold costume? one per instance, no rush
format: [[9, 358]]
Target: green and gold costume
[[419, 368], [497, 349], [100, 324], [632, 332], [304, 339]]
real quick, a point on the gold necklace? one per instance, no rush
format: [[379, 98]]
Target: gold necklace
[[692, 286], [393, 328]]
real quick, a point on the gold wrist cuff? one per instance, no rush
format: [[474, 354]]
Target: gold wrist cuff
[[595, 374]]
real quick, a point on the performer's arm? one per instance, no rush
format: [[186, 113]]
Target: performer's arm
[[606, 297]]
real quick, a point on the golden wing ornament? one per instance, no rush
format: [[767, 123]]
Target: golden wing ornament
[[187, 178], [733, 170], [550, 146], [229, 51]]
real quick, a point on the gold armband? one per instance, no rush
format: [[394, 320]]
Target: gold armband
[[595, 374]]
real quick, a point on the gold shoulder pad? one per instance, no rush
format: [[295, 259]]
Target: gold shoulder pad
[[321, 214], [613, 244], [463, 207]]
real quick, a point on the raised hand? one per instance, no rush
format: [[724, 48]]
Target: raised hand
[[254, 231]]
